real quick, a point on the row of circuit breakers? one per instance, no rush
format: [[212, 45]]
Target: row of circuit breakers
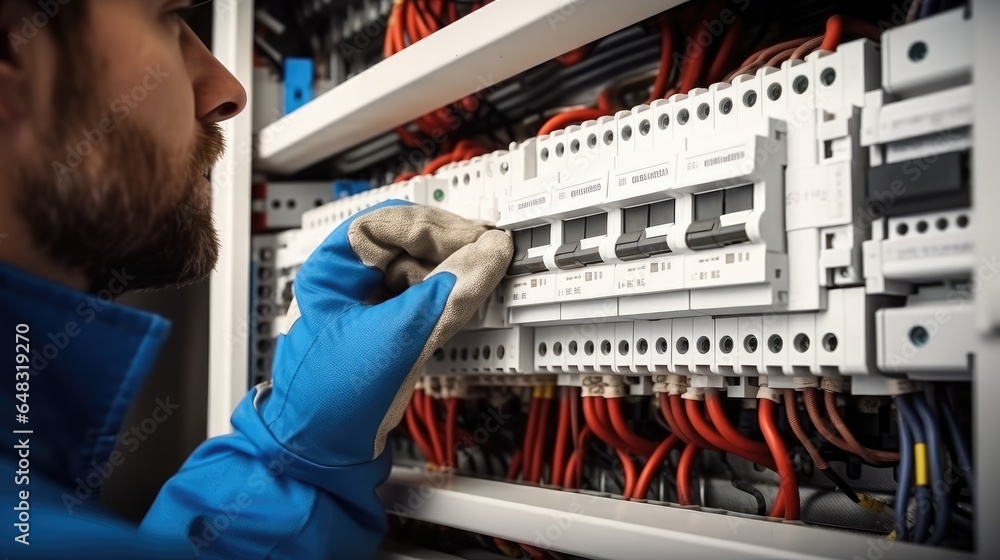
[[812, 220]]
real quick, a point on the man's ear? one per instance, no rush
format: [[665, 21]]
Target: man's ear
[[13, 80]]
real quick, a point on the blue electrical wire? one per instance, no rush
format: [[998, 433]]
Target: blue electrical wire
[[923, 525], [905, 469], [935, 452], [925, 8]]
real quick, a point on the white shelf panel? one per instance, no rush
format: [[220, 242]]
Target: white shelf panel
[[479, 51], [596, 527], [228, 319]]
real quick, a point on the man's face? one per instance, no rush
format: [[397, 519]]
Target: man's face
[[114, 131]]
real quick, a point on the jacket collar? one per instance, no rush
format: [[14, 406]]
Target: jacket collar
[[87, 358]]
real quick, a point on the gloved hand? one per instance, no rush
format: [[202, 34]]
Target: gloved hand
[[348, 359]]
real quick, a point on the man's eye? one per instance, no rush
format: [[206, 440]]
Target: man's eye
[[183, 14]]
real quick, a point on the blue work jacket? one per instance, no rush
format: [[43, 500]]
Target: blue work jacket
[[238, 496]]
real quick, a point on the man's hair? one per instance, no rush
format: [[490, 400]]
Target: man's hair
[[67, 21]]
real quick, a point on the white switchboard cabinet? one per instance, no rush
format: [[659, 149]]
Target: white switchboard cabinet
[[712, 315]]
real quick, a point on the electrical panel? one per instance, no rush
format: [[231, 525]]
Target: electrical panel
[[797, 238], [762, 223]]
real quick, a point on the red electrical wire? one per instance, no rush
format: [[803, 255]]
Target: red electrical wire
[[784, 55], [745, 445], [535, 553], [696, 415], [717, 71], [691, 71], [874, 456], [861, 28], [391, 45], [515, 464], [605, 101], [666, 59], [653, 466], [597, 418], [767, 52], [778, 508], [805, 48], [562, 437], [728, 431], [834, 29], [528, 445], [601, 407], [417, 27], [451, 423], [464, 150], [684, 424], [574, 414], [418, 403], [431, 423], [789, 485], [639, 445], [694, 65], [684, 469], [413, 426], [405, 176], [538, 455], [628, 467], [759, 58], [437, 163], [562, 120], [574, 468], [574, 56], [669, 417]]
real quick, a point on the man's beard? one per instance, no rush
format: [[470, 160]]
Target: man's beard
[[118, 206]]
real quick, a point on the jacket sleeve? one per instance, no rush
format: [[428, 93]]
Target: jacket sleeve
[[246, 496]]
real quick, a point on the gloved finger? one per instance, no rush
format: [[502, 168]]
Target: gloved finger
[[405, 271], [425, 233], [475, 270], [349, 266], [478, 268]]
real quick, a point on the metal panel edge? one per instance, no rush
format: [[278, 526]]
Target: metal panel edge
[[228, 324]]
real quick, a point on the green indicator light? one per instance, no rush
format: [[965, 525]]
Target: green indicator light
[[439, 195]]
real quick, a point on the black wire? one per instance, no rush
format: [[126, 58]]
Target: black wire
[[961, 521], [961, 447], [753, 491], [608, 461], [504, 120], [743, 486], [841, 484]]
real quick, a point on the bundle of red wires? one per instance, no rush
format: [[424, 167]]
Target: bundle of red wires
[[411, 21]]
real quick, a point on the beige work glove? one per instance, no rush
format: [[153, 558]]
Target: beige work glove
[[372, 303]]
